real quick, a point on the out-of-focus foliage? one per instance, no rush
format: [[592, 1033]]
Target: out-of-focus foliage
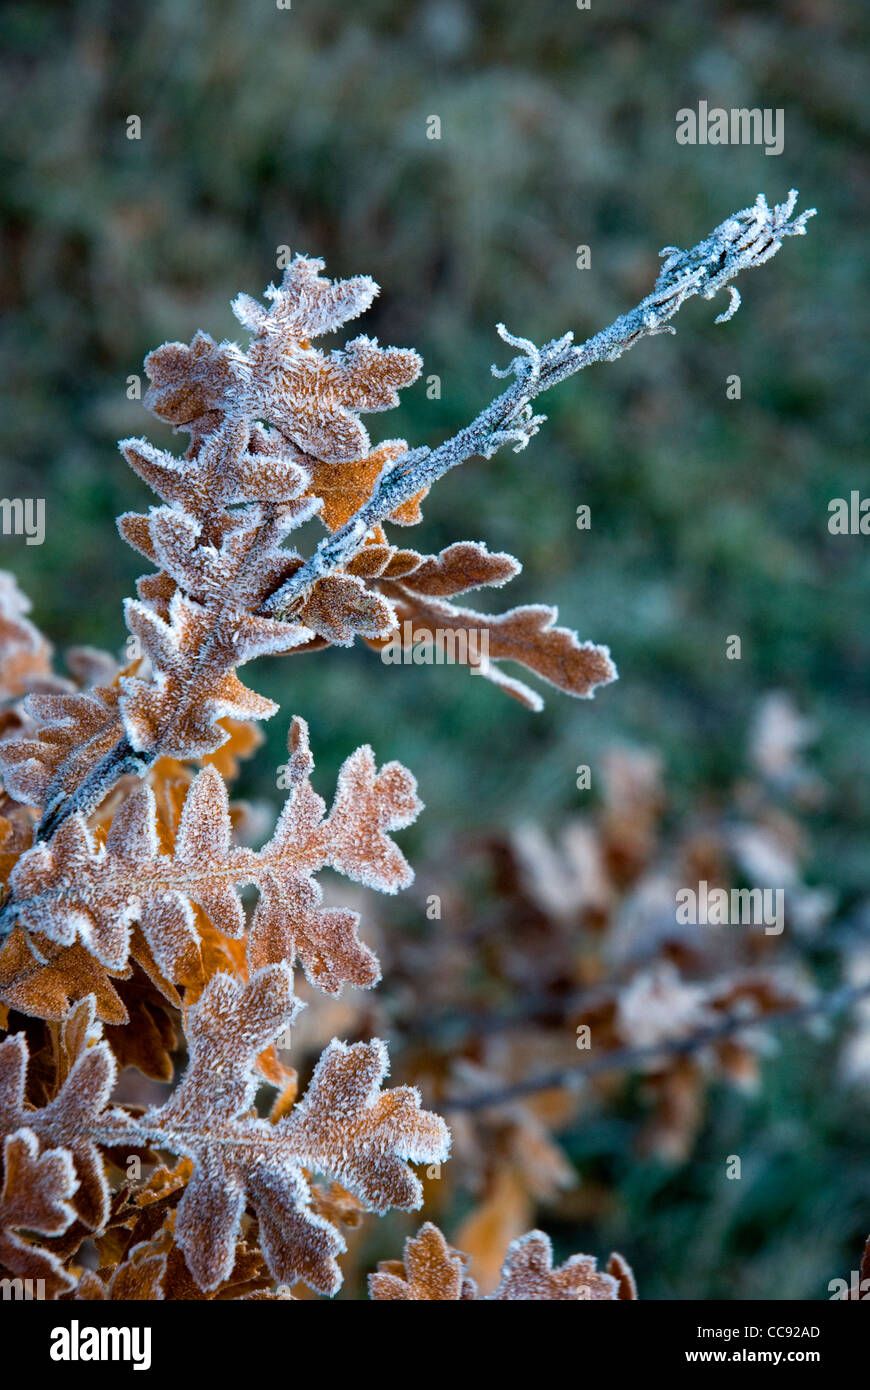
[[306, 128]]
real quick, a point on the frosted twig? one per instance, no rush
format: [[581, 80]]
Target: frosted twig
[[525, 368], [630, 1058], [748, 238]]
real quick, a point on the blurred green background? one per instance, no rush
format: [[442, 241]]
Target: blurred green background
[[307, 127]]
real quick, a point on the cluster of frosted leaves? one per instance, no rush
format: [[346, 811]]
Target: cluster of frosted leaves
[[312, 397], [265, 426], [239, 1168], [434, 1272], [80, 888], [55, 1182], [147, 890], [38, 1188], [154, 1269], [139, 1257], [276, 438], [219, 540], [28, 686]]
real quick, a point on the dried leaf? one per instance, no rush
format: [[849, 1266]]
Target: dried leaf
[[525, 635], [68, 1120], [431, 1271], [73, 733], [37, 1192], [160, 715], [528, 1274], [44, 986], [460, 567], [340, 606]]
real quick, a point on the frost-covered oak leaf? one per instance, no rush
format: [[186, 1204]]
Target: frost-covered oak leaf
[[430, 1271], [190, 384], [235, 574], [238, 463], [193, 655], [44, 984], [459, 568], [526, 635], [228, 558], [73, 731], [345, 1127], [74, 888], [68, 1121], [313, 398], [38, 1188], [528, 1274], [340, 606]]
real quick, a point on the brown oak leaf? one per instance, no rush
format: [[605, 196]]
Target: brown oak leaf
[[345, 1127], [431, 1270], [37, 1194]]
